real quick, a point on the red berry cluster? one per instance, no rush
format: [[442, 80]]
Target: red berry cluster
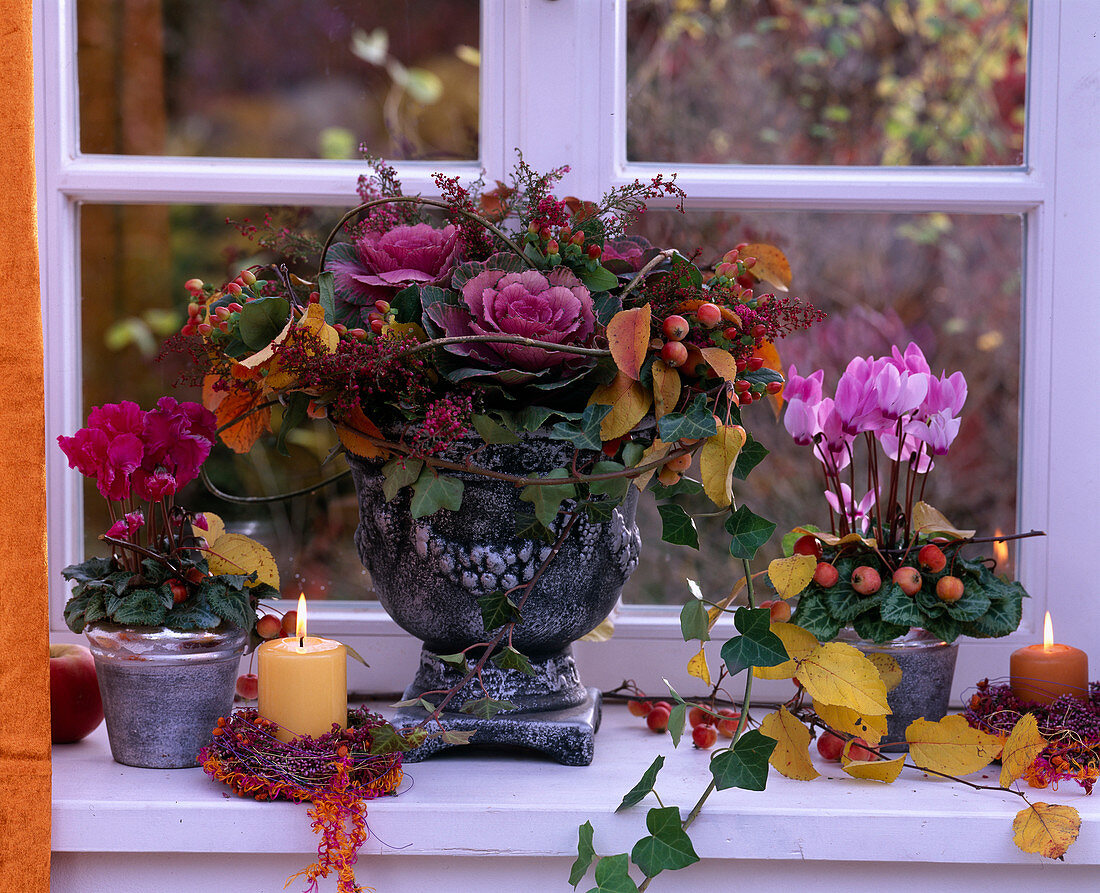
[[706, 722]]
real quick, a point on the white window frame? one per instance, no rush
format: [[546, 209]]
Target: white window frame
[[543, 90]]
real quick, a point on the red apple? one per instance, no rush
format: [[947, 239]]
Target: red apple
[[931, 558], [856, 749], [826, 575], [75, 705], [866, 580], [909, 579], [949, 589], [657, 720], [830, 746], [704, 736], [248, 686], [807, 544], [727, 725]]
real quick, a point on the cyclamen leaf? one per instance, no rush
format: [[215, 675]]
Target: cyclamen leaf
[[638, 793], [814, 617], [667, 847], [678, 527]]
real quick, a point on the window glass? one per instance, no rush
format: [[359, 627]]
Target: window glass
[[134, 261], [894, 82], [951, 283], [279, 79]]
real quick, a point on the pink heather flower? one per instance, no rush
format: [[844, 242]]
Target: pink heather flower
[[555, 307], [858, 516], [384, 263], [125, 528], [807, 389]]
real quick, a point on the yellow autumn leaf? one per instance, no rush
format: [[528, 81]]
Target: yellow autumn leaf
[[791, 756], [1046, 830], [215, 527], [790, 576], [666, 387], [835, 673], [771, 265], [929, 520], [844, 719], [716, 463], [313, 321], [234, 553], [601, 633], [628, 334], [950, 745], [1020, 750], [629, 402], [832, 540], [799, 644], [888, 668], [656, 450], [355, 430], [698, 668], [716, 611], [721, 361], [877, 770]]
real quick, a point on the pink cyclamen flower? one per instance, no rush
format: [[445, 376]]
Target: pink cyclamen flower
[[808, 389], [938, 432], [856, 402], [800, 420], [178, 437], [117, 418], [945, 394], [154, 485], [125, 527], [86, 450], [911, 361], [381, 264], [907, 448], [898, 393], [833, 447], [859, 516]]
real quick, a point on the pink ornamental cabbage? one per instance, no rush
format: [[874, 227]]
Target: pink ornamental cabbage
[[555, 307], [381, 264]]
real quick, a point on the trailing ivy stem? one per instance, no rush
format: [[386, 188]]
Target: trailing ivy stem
[[746, 702]]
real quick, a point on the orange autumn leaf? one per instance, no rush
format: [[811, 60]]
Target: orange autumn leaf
[[628, 338], [771, 265], [254, 418], [666, 388], [629, 402], [768, 353], [354, 429]]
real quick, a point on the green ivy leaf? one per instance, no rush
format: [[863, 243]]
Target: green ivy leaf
[[433, 492], [455, 660], [492, 431], [683, 487], [585, 854], [632, 453], [386, 739], [599, 512], [745, 765], [677, 526], [497, 609], [261, 320], [613, 876], [667, 847], [613, 488], [638, 793], [510, 659], [486, 708], [528, 527], [748, 532], [757, 646], [399, 472], [695, 621], [751, 455], [423, 703], [697, 423], [533, 417], [584, 435], [547, 498]]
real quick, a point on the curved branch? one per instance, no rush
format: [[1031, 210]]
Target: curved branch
[[257, 500], [504, 339], [418, 200]]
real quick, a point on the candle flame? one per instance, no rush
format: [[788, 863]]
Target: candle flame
[[1048, 632], [1000, 551], [300, 626]]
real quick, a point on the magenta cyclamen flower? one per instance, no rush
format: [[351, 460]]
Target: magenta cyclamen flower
[[178, 439], [898, 393], [381, 264], [125, 527]]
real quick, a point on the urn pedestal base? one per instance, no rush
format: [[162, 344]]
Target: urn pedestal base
[[554, 713]]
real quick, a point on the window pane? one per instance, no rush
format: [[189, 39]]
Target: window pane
[[896, 82], [279, 79], [950, 283], [134, 261]]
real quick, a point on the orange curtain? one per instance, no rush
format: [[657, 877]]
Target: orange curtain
[[24, 623]]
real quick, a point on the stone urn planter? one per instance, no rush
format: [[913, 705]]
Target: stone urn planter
[[163, 690], [430, 572]]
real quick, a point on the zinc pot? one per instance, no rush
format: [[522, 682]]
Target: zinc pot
[[163, 690]]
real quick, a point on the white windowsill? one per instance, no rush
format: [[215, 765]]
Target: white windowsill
[[520, 816]]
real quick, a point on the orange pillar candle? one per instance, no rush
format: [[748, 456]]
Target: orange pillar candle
[[1041, 673], [303, 682]]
